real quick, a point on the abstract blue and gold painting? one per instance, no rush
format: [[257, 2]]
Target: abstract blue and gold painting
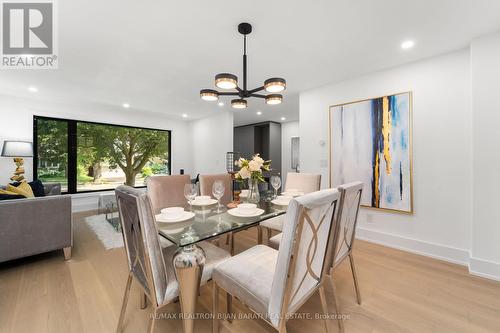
[[370, 141]]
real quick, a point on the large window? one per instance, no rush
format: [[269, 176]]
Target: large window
[[85, 156]]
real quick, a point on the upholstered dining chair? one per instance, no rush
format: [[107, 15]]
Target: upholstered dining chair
[[206, 182], [275, 284], [344, 235], [167, 191], [303, 182], [150, 264], [350, 201]]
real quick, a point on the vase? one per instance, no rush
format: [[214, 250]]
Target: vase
[[253, 191]]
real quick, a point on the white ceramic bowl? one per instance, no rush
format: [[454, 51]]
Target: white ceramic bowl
[[247, 208], [172, 212], [202, 199]]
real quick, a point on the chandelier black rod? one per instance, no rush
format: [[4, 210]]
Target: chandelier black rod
[[229, 93], [244, 63], [258, 95], [256, 89]]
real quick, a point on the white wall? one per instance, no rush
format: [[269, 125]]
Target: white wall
[[485, 70], [211, 139], [442, 152], [16, 122], [288, 131]]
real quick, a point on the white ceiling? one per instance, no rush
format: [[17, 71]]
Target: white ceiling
[[157, 55]]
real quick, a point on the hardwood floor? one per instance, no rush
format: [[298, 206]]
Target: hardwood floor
[[401, 292]]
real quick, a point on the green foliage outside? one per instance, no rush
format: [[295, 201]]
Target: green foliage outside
[[130, 149], [135, 151]]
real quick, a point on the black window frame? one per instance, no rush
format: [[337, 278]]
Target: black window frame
[[73, 147]]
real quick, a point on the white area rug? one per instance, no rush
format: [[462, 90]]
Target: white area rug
[[109, 237]]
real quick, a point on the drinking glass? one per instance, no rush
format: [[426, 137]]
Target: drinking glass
[[190, 192], [218, 191], [276, 184]]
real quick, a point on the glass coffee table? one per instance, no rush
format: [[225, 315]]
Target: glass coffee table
[[190, 258], [107, 205]]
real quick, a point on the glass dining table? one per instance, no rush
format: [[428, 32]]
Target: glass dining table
[[189, 258]]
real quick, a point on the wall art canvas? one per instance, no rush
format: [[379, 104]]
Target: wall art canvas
[[370, 141]]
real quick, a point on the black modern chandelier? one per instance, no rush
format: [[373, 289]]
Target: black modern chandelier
[[229, 81]]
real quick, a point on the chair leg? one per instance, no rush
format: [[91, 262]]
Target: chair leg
[[143, 300], [215, 308], [231, 243], [268, 235], [228, 235], [152, 322], [336, 303], [124, 304], [324, 305], [229, 307], [355, 277], [282, 327], [259, 234]]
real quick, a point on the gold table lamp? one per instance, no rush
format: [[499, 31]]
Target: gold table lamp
[[17, 150]]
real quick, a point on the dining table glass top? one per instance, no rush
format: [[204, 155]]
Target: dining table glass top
[[207, 223]]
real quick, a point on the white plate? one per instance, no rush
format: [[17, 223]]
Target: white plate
[[185, 217], [236, 212], [292, 194], [208, 203], [280, 203]]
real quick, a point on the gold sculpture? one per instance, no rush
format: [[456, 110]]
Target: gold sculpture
[[19, 173]]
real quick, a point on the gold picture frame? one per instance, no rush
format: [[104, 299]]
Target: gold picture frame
[[331, 108]]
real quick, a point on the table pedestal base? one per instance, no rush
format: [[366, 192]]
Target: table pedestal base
[[188, 263]]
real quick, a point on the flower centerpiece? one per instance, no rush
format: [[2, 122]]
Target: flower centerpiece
[[251, 171]]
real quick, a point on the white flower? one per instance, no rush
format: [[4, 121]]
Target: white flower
[[239, 162], [258, 159], [244, 173], [254, 166]]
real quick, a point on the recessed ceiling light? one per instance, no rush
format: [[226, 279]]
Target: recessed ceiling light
[[407, 44], [221, 103], [283, 118], [259, 113], [126, 105], [184, 115], [33, 89]]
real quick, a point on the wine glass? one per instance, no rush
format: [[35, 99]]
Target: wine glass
[[190, 192], [218, 191], [276, 184]]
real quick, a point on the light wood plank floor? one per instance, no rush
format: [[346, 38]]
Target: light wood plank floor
[[401, 292]]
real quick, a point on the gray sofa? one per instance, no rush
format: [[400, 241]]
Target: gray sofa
[[36, 225]]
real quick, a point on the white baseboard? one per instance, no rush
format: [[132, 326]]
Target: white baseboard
[[437, 251], [484, 268], [479, 267]]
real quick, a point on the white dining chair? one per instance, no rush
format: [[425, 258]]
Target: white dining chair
[[275, 284], [150, 264], [302, 182], [344, 235]]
